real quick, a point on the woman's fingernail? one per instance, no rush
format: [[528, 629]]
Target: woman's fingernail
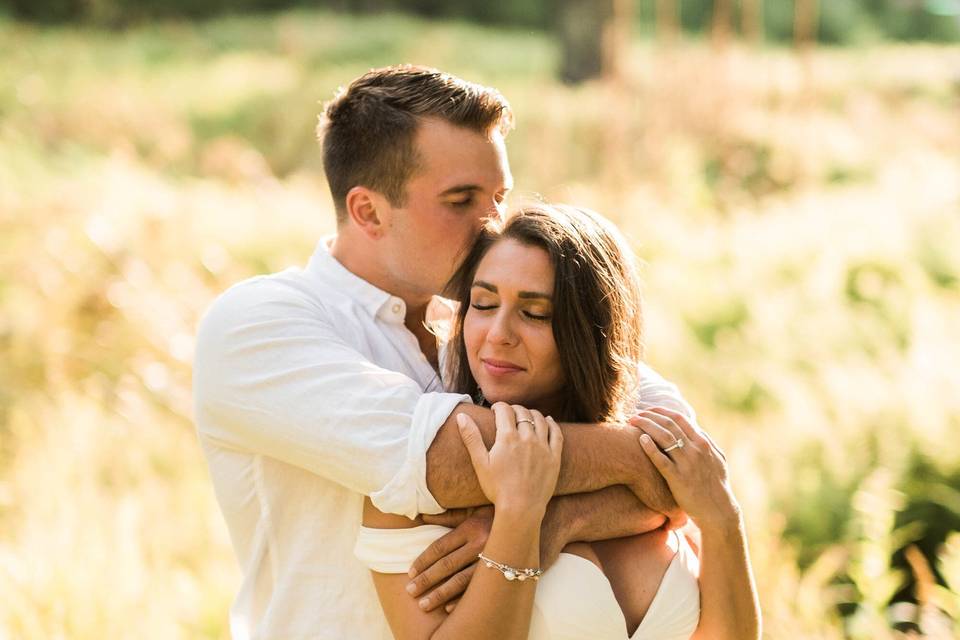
[[461, 419], [413, 572], [645, 438], [423, 603], [411, 588]]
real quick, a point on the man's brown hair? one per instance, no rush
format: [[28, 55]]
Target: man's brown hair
[[367, 130], [597, 320]]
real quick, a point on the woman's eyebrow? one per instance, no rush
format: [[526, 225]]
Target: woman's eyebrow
[[534, 294], [485, 285], [522, 294]]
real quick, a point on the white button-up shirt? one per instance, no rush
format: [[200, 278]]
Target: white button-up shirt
[[310, 393]]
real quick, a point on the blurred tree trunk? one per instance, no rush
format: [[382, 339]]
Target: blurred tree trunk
[[668, 23], [593, 35], [805, 18], [751, 21], [722, 14]]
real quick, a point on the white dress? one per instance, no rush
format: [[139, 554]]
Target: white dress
[[574, 599]]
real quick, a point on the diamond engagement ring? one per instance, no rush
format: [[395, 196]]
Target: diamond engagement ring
[[522, 420], [676, 445]]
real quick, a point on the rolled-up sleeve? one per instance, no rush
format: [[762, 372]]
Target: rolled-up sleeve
[[274, 376], [408, 488]]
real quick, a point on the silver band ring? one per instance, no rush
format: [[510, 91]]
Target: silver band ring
[[522, 420], [676, 445]]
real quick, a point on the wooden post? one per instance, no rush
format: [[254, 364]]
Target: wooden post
[[720, 32], [805, 17], [667, 21], [751, 21], [616, 39]]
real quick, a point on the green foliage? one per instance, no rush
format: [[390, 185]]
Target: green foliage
[[840, 21]]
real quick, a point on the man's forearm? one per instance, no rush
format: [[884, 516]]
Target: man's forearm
[[613, 512], [594, 457]]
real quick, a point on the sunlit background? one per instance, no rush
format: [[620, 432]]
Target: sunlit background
[[788, 171]]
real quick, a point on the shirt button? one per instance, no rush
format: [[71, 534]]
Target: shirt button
[[396, 308]]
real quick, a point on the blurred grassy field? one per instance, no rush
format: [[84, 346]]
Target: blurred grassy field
[[800, 219]]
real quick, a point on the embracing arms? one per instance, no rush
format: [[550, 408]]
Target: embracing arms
[[449, 563], [594, 457]]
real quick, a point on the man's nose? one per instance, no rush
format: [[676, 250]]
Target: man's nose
[[499, 210]]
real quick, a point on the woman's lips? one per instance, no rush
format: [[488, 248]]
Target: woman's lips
[[500, 367]]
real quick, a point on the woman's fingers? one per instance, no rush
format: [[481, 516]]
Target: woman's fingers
[[660, 435], [667, 423], [505, 418], [473, 441], [525, 423], [689, 431], [540, 427], [555, 437], [659, 459]]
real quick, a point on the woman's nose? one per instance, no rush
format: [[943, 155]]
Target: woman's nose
[[501, 330]]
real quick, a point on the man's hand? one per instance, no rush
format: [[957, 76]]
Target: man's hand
[[450, 561]]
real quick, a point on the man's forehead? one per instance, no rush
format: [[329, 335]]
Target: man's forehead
[[472, 163]]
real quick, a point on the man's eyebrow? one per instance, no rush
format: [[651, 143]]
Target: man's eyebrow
[[522, 294], [460, 188]]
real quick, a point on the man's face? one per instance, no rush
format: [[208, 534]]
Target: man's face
[[462, 180]]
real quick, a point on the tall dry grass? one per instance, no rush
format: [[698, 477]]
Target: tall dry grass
[[799, 221]]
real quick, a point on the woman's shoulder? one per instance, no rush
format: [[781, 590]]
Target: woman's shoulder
[[376, 519], [388, 543]]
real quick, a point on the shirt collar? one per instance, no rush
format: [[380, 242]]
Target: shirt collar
[[377, 302]]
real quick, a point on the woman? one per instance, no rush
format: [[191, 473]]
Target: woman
[[549, 325]]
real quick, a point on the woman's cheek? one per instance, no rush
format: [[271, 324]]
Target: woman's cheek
[[472, 337]]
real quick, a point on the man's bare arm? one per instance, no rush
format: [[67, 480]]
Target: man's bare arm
[[595, 456], [613, 512]]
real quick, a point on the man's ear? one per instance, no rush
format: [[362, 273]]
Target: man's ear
[[366, 209]]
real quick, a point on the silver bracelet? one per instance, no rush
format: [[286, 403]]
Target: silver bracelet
[[511, 573]]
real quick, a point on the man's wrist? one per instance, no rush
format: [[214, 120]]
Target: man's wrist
[[631, 452], [560, 522]]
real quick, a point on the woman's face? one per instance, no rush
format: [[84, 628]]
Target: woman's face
[[508, 328]]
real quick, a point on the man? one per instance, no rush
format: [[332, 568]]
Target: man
[[314, 388]]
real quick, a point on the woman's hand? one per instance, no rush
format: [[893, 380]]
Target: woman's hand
[[520, 472], [696, 471]]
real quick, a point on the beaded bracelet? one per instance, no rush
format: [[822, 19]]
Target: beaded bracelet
[[511, 573]]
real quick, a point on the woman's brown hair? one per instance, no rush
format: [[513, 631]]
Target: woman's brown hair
[[597, 320]]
